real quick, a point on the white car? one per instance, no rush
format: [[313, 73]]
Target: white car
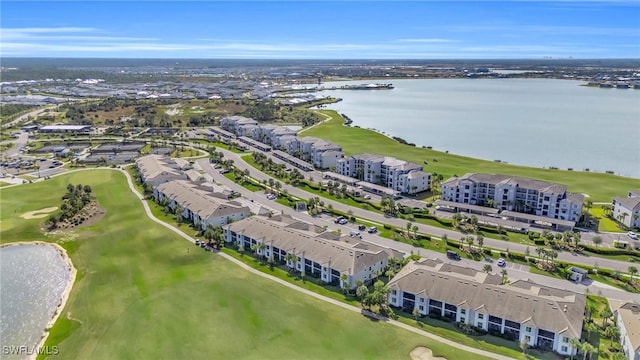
[[367, 197], [501, 262], [632, 235]]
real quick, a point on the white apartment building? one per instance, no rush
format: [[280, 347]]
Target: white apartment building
[[627, 317], [627, 210], [541, 316], [199, 204], [399, 175], [157, 169], [232, 123], [514, 194], [315, 252]]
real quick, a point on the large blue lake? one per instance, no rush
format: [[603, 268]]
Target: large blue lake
[[534, 122]]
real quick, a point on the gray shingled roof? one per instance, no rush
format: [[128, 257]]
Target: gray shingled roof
[[200, 202], [526, 183], [344, 257], [628, 202], [552, 309]]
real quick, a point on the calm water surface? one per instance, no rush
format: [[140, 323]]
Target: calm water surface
[[534, 122], [32, 281]]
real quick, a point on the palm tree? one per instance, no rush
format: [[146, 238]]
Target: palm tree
[[587, 348], [504, 276], [487, 268], [361, 292], [612, 333], [408, 228], [589, 327], [606, 314], [597, 240], [415, 231], [632, 271], [344, 278], [524, 346], [575, 345], [480, 240]]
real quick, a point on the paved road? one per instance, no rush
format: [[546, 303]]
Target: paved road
[[435, 231], [515, 271], [21, 141], [24, 117]]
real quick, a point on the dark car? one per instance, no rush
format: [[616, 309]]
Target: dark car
[[453, 255], [373, 230], [362, 228]]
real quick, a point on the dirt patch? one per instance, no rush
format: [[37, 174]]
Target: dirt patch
[[38, 214], [424, 353]]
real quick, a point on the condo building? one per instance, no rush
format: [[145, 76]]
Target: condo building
[[157, 169], [541, 316], [627, 319], [399, 175], [312, 250], [514, 194], [627, 209], [199, 204]]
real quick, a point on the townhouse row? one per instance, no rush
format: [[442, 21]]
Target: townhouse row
[[173, 180], [543, 317], [322, 154], [510, 193], [311, 249]]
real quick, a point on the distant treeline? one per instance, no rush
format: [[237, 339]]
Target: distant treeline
[[12, 109]]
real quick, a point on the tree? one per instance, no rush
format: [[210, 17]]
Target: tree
[[524, 346], [575, 344], [344, 279], [480, 240], [415, 313], [415, 231], [587, 348], [597, 240], [632, 271], [362, 292], [612, 333], [606, 314], [505, 277], [589, 327], [487, 268]]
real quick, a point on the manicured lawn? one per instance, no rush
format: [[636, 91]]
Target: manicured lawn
[[605, 224], [601, 187], [142, 292], [246, 184]]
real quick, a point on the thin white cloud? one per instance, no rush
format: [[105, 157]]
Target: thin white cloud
[[430, 41]]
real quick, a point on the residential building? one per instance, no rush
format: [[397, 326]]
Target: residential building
[[233, 123], [314, 251], [399, 175], [199, 205], [65, 128], [325, 154], [158, 169], [517, 194], [541, 316], [286, 143], [627, 317], [627, 210]]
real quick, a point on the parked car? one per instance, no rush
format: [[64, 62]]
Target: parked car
[[453, 255], [632, 235], [367, 197], [362, 227], [343, 221], [338, 219], [501, 262], [373, 230], [355, 234]]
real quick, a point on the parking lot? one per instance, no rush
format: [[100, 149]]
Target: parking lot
[[28, 165]]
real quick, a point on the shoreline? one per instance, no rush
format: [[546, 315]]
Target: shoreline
[[65, 294]]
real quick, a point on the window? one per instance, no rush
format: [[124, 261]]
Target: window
[[479, 324], [565, 340], [564, 349], [480, 316], [463, 311], [462, 319], [421, 308], [528, 329]]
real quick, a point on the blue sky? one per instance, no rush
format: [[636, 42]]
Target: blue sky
[[321, 30]]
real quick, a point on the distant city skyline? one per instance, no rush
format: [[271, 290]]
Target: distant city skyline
[[321, 30]]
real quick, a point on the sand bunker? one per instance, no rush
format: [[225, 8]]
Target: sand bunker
[[38, 214], [424, 353]]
